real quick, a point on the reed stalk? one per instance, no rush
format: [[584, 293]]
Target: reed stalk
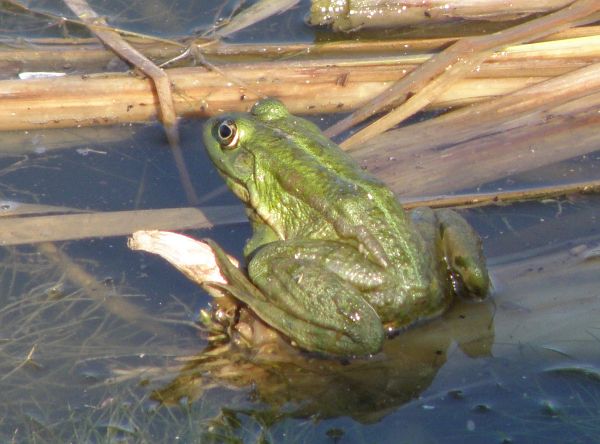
[[333, 84], [41, 227]]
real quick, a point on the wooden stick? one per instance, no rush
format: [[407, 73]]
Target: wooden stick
[[503, 197]]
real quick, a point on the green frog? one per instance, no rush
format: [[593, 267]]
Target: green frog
[[334, 262]]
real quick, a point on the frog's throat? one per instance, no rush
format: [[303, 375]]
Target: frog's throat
[[238, 189]]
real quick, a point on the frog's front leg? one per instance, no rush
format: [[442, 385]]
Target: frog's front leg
[[313, 295], [262, 234], [459, 245]]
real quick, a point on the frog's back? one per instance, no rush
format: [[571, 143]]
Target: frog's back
[[359, 198], [411, 262], [346, 195]]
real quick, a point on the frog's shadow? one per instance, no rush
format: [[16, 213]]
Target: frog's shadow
[[364, 389]]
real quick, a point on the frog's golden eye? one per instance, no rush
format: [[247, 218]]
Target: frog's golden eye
[[227, 134]]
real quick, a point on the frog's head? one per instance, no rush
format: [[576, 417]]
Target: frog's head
[[249, 149]]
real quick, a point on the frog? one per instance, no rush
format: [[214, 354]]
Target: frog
[[335, 263]]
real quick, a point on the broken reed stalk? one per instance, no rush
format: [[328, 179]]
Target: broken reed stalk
[[492, 156], [306, 86], [114, 41], [422, 86], [527, 106], [160, 81], [159, 78]]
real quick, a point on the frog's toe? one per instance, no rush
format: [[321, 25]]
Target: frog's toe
[[473, 279], [464, 254]]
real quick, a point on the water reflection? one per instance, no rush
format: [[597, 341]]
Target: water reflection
[[305, 385]]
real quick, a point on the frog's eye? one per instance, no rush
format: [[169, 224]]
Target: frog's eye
[[227, 134]]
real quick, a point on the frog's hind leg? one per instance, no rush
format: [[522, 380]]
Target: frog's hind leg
[[464, 253], [309, 299]]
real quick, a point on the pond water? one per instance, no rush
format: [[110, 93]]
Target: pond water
[[92, 333]]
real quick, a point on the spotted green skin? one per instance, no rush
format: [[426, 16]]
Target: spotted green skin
[[334, 261]]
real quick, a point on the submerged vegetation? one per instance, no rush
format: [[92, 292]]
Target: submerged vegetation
[[101, 344]]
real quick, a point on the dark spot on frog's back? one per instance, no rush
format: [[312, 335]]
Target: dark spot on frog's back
[[294, 177]]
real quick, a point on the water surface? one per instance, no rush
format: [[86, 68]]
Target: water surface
[[90, 331]]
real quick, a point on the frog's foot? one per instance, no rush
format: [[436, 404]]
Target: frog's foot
[[464, 253], [460, 246], [313, 301]]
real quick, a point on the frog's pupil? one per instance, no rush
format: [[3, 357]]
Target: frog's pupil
[[226, 131]]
